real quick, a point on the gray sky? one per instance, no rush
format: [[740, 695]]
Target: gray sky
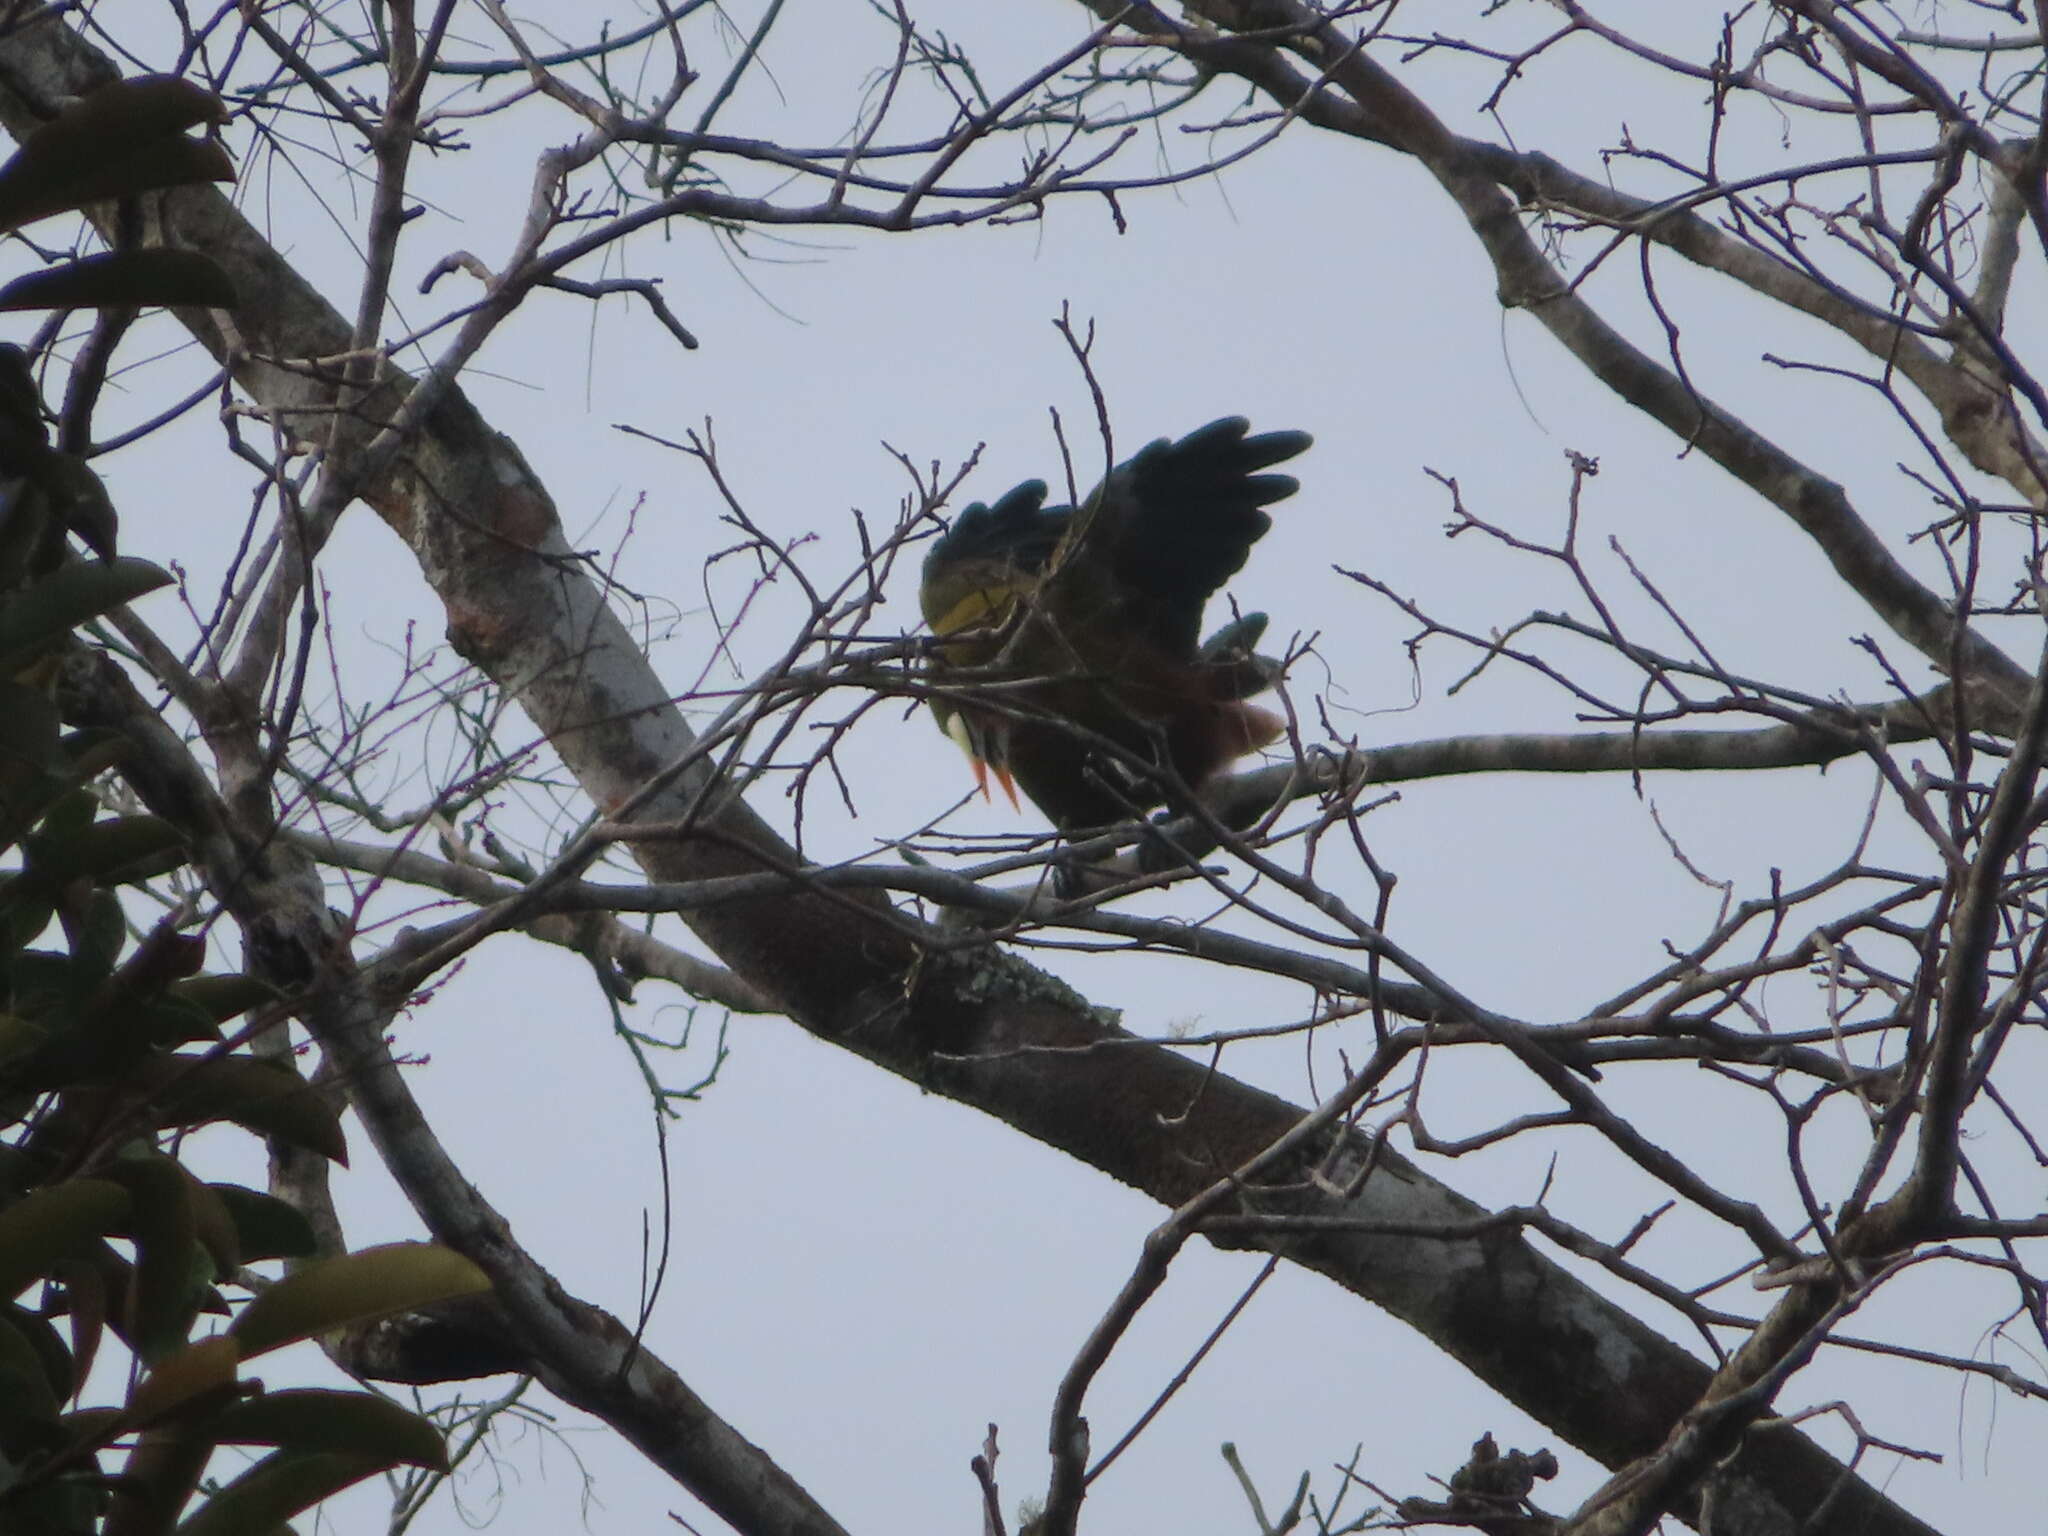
[[864, 1277]]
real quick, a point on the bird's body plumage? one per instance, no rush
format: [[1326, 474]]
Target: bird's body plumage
[[1074, 633]]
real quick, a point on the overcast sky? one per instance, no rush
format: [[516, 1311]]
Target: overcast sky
[[865, 1277]]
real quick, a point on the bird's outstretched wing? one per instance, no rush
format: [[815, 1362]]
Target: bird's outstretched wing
[[1174, 522]]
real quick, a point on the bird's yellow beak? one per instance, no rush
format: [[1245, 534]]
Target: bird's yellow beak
[[963, 737]]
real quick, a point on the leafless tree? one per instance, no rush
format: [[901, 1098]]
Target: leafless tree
[[1880, 181]]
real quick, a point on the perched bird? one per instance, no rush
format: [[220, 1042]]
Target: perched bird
[[1073, 634]]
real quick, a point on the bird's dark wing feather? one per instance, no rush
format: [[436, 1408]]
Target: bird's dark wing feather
[[1178, 519], [1019, 531]]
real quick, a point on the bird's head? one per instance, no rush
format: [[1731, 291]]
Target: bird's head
[[977, 579], [984, 565]]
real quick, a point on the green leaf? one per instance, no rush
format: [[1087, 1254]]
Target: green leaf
[[70, 816], [157, 1481], [28, 789], [19, 1039], [44, 980], [24, 434], [31, 759], [85, 1300], [276, 1488], [354, 1288], [213, 1224], [93, 1424], [98, 934], [124, 138], [262, 1096], [52, 1223], [30, 1425], [199, 1370], [153, 275], [29, 1389], [25, 911], [169, 1021], [79, 499], [172, 1270], [30, 727], [313, 1419], [67, 1504], [113, 849], [223, 997], [269, 1228], [48, 609]]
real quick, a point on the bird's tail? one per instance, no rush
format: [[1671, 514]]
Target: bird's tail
[[1209, 739], [1248, 728]]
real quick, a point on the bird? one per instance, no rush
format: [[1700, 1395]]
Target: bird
[[1067, 659]]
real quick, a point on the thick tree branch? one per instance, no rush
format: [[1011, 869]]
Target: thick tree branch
[[591, 930]]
